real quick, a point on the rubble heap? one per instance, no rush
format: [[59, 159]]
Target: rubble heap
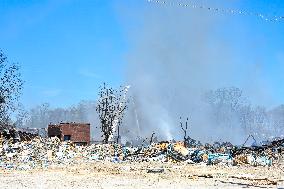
[[45, 152]]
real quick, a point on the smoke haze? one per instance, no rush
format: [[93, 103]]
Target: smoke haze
[[176, 56]]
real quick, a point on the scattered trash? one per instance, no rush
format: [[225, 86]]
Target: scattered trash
[[155, 170], [219, 158], [45, 152]]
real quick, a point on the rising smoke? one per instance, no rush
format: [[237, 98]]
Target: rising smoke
[[176, 56]]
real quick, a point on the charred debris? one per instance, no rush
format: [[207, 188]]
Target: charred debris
[[43, 152]]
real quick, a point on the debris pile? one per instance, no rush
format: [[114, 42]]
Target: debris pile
[[45, 152]]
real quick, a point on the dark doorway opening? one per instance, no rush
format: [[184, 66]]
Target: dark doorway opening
[[67, 137]]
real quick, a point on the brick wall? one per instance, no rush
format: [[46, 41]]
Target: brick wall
[[79, 132]]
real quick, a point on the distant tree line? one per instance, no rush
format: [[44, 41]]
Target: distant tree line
[[42, 115], [230, 108]]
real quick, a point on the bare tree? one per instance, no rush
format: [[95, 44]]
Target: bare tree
[[231, 97], [276, 120], [246, 114], [11, 85], [152, 137], [226, 104], [184, 128], [260, 122], [111, 108], [22, 117]]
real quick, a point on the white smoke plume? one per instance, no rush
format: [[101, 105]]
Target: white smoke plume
[[175, 56]]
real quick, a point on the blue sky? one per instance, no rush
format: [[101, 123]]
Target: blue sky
[[67, 48]]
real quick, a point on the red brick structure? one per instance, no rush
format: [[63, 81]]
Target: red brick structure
[[79, 133]]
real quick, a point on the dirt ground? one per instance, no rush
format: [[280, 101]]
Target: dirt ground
[[137, 175]]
